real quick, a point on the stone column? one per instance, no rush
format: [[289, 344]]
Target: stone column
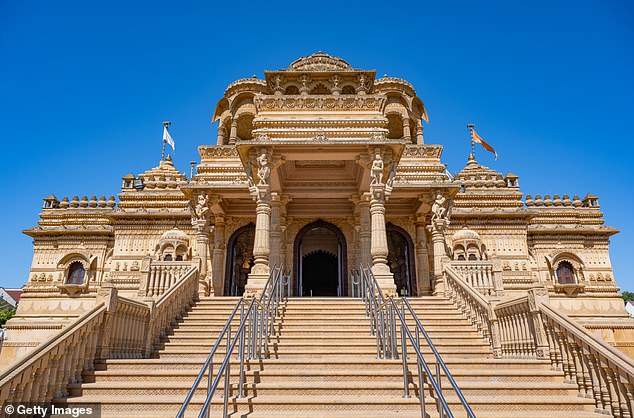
[[276, 204], [365, 234], [221, 134], [407, 133], [233, 135], [262, 243], [419, 132], [378, 243], [437, 229], [218, 258], [422, 259], [202, 243]]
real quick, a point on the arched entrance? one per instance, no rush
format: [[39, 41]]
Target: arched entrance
[[401, 260], [320, 261], [239, 260]]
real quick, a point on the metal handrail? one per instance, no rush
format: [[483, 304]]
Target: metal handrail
[[420, 329], [382, 313], [257, 320]]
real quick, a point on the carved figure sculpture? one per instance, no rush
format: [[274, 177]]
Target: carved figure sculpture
[[376, 172], [264, 171], [438, 209], [201, 206]]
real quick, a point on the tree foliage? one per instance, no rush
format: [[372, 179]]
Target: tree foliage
[[5, 315], [627, 296]]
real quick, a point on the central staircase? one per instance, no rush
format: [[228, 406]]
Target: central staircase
[[323, 363]]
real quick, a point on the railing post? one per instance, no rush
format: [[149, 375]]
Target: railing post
[[404, 356], [494, 332], [537, 296]]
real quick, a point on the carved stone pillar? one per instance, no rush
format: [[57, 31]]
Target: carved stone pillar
[[233, 135], [276, 205], [422, 260], [419, 132], [437, 229], [218, 257], [262, 243], [202, 242], [407, 133], [221, 134], [378, 243]]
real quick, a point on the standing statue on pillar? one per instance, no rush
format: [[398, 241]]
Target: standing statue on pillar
[[376, 170], [264, 170], [438, 209], [201, 207]]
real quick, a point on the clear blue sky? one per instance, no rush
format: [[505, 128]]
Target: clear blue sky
[[84, 87]]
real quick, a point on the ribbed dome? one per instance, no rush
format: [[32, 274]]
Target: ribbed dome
[[466, 234], [319, 62], [174, 235]]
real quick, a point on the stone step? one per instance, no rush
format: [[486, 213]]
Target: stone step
[[290, 374], [330, 362], [289, 342], [339, 388], [168, 405], [325, 336]]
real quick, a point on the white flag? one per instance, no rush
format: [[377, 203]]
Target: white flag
[[167, 138]]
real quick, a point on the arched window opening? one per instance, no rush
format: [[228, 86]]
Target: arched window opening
[[394, 126], [473, 257], [291, 90], [168, 257], [320, 89], [76, 273], [245, 127], [179, 258], [348, 90], [461, 257], [565, 273]]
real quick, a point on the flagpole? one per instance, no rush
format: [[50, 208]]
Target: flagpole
[[471, 126], [165, 126]]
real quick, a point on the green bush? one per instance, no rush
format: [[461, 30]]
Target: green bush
[[5, 315]]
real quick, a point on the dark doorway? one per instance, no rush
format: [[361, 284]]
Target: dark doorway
[[401, 260], [239, 260], [320, 261], [320, 274]]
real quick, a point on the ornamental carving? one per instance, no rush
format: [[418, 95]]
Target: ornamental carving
[[319, 102], [222, 151], [422, 151]]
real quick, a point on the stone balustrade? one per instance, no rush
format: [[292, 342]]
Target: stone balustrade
[[529, 327], [600, 371], [480, 275], [162, 275], [45, 373], [116, 327], [517, 325], [477, 309]]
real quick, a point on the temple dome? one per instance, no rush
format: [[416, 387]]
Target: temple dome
[[174, 234], [466, 234], [319, 62]]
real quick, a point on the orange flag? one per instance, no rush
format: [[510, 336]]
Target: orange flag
[[476, 138]]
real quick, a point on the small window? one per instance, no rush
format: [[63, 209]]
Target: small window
[[168, 257], [76, 273], [472, 257], [320, 89], [565, 273], [348, 90], [461, 257], [179, 258]]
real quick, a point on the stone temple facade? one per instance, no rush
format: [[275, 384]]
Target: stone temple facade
[[321, 168]]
